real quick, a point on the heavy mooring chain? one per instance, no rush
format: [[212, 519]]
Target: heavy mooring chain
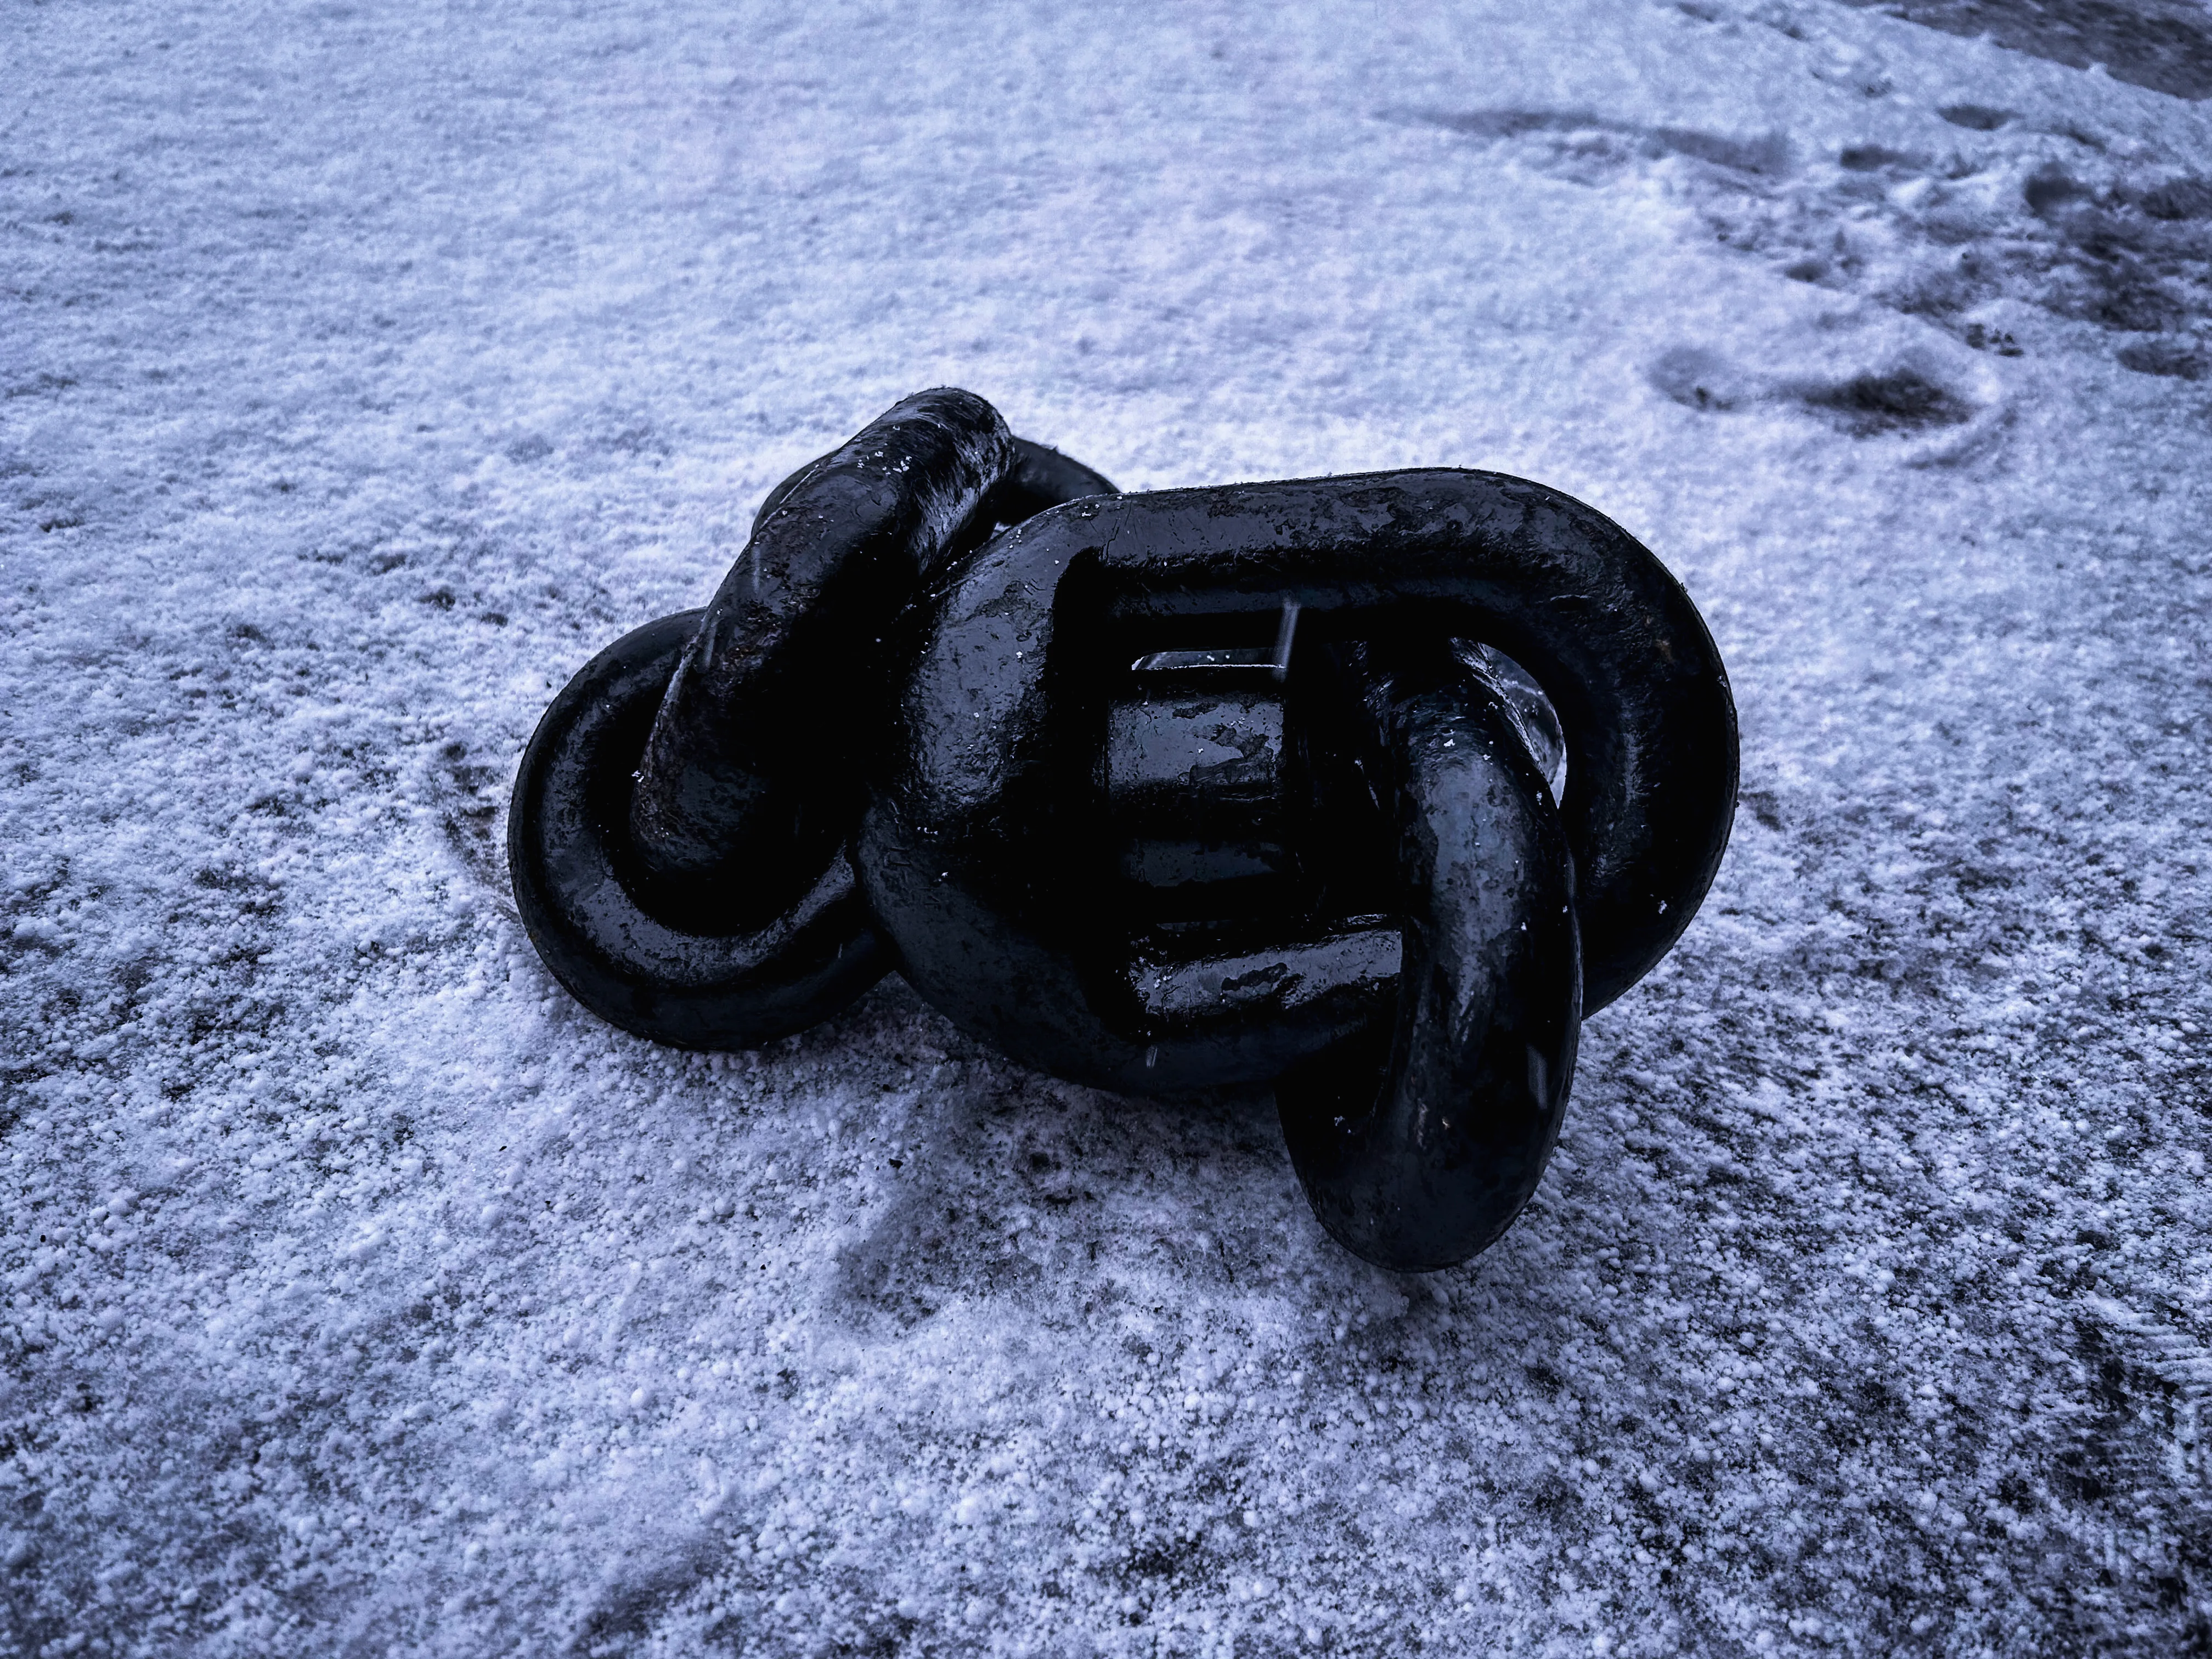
[[1167, 793]]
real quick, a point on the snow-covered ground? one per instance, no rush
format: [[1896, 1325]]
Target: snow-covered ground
[[368, 366]]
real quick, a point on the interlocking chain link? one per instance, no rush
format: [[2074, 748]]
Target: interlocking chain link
[[1368, 788]]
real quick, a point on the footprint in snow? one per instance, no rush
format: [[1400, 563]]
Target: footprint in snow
[[1902, 399]]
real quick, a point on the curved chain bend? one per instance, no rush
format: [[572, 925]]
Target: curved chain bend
[[1161, 792]]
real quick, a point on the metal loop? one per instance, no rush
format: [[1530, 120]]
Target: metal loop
[[1418, 1141], [983, 843], [751, 776], [677, 835], [631, 950], [1242, 786]]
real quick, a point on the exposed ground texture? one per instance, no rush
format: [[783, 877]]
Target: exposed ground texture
[[367, 368]]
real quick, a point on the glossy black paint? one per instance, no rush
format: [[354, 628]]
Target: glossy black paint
[[634, 950], [767, 935], [1420, 1140], [751, 778], [988, 844], [1159, 792]]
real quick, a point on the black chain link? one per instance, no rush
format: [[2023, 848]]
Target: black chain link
[[1368, 788]]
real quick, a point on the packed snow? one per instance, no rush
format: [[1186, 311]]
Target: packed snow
[[369, 368]]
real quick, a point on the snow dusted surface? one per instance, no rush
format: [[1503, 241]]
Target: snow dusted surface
[[368, 368]]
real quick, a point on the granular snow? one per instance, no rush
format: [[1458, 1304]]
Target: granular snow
[[367, 368]]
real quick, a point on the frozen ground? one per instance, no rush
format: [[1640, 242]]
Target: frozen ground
[[368, 366]]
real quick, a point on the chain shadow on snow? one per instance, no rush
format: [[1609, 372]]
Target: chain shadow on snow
[[1022, 1187], [1079, 1205]]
